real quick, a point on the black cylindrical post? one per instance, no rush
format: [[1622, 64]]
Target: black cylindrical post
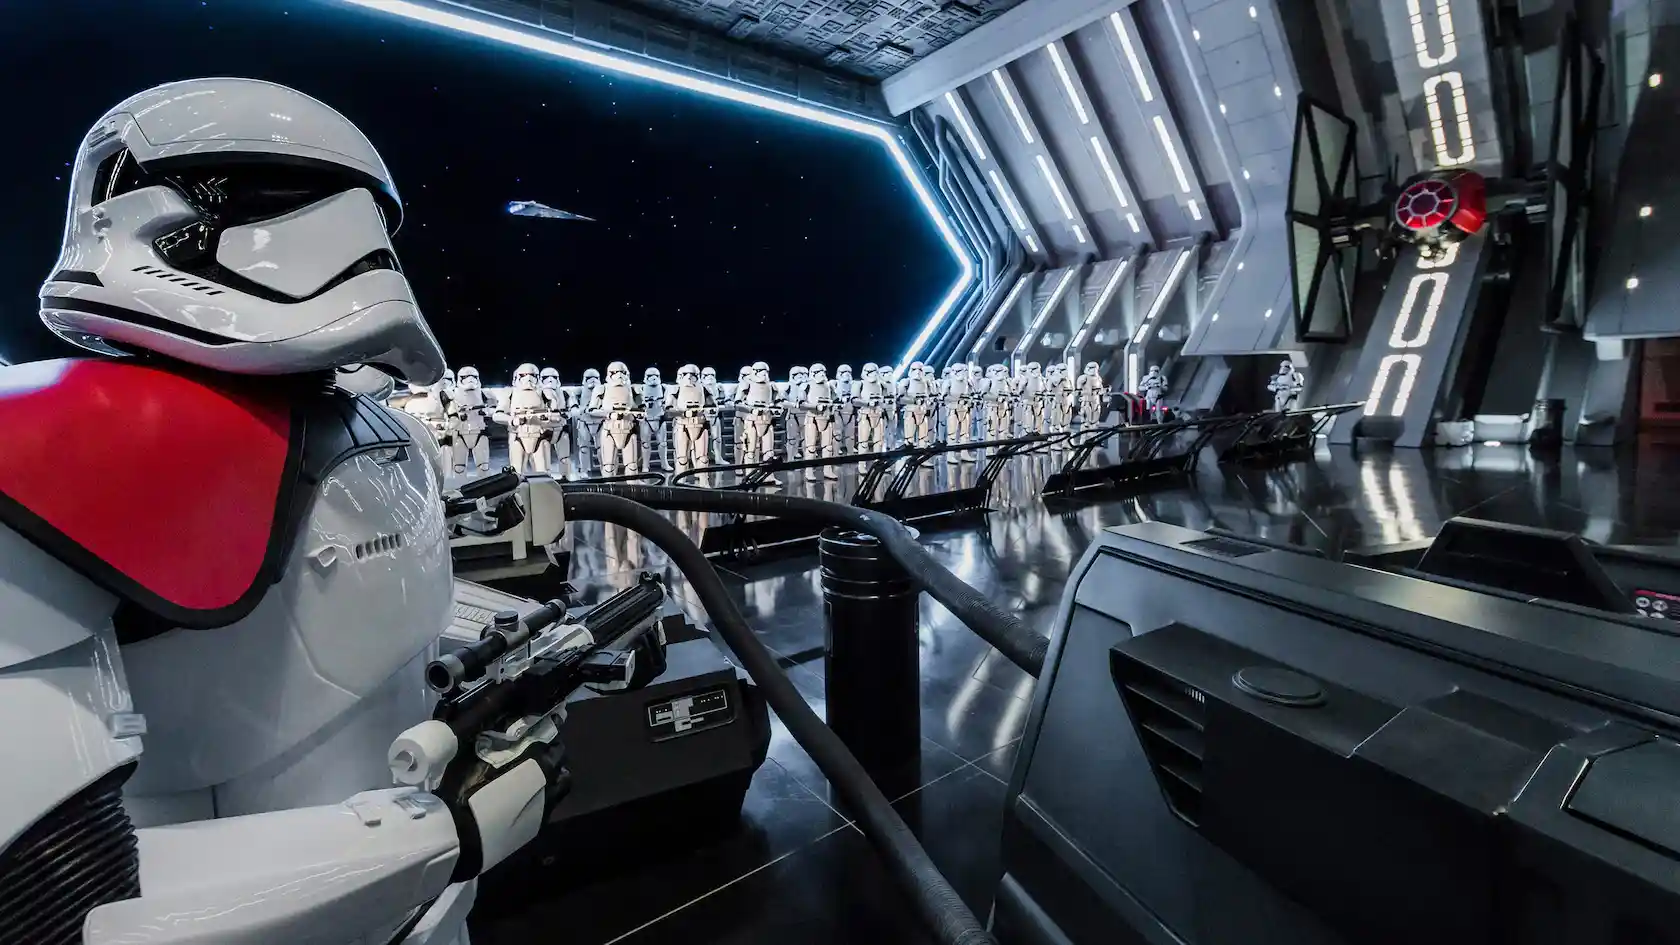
[[873, 666], [1546, 424]]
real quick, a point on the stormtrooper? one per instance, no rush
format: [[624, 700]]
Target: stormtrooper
[[560, 426], [218, 650], [793, 400], [1286, 385], [529, 417], [843, 382], [445, 387], [1029, 390], [919, 399], [1092, 395], [714, 427], [870, 398], [1058, 396], [653, 422], [617, 407], [959, 411], [469, 416], [1000, 403], [822, 422], [757, 411], [977, 400], [588, 427], [425, 403], [692, 410], [1153, 389], [738, 401]]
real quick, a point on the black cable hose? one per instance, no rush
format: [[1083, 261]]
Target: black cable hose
[[1019, 643], [943, 911]]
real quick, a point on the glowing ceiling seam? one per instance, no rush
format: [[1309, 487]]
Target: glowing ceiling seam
[[522, 35]]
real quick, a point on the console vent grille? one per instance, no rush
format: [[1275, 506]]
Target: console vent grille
[[1170, 718], [78, 857]]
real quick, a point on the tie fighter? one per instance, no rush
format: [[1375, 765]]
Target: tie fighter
[[1433, 209]]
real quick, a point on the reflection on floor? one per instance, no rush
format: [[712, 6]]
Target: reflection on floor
[[795, 870]]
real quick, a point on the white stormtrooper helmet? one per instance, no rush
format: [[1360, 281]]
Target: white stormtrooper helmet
[[525, 377], [1286, 368], [591, 379], [1034, 369], [1154, 369], [651, 376], [797, 374], [447, 382], [843, 372], [974, 371], [362, 379], [819, 374], [760, 372], [618, 373], [688, 375], [871, 372], [708, 377], [468, 379], [241, 226], [997, 371], [550, 379], [746, 375], [1090, 369], [918, 371]]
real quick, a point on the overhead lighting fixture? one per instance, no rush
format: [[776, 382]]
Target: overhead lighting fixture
[[1132, 222], [1195, 210], [1172, 154], [1079, 234], [1240, 266], [1108, 172], [1277, 91], [1009, 205], [1067, 83], [1632, 282], [1014, 106], [1654, 80], [1644, 211], [1002, 310], [1245, 173], [1131, 56], [1215, 317], [1101, 304], [966, 126], [1044, 312], [1032, 244], [1253, 14], [1222, 108], [525, 38], [1268, 313], [1055, 188], [1196, 35]]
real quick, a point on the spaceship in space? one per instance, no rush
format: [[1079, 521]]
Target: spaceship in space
[[542, 211]]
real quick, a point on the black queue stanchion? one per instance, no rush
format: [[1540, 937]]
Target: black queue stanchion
[[873, 667]]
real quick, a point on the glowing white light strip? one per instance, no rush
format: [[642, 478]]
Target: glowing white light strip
[[1078, 234], [1437, 282], [1167, 289], [1172, 154], [1195, 210], [1437, 124], [1067, 83], [1032, 244], [1055, 188], [1409, 363], [1102, 303], [967, 127], [1131, 372], [1449, 40], [997, 316], [1132, 221], [1009, 205], [1014, 107], [1131, 56], [1043, 314], [1109, 174], [524, 38]]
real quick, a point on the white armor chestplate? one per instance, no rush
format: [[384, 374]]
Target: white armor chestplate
[[525, 412], [761, 395], [688, 399], [615, 398], [472, 403], [821, 398]]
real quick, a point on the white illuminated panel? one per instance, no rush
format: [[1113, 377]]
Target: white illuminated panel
[[1067, 83], [1131, 57], [1044, 314], [1032, 244], [1195, 210], [1102, 304], [1131, 220], [509, 34], [997, 316], [966, 126], [1055, 188], [1009, 205], [1078, 233], [1167, 289], [1109, 174], [1014, 106], [1435, 45], [1172, 154]]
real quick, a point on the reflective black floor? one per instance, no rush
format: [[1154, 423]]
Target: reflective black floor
[[795, 871]]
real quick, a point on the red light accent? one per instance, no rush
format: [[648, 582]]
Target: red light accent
[[169, 481], [1471, 212], [1425, 204]]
